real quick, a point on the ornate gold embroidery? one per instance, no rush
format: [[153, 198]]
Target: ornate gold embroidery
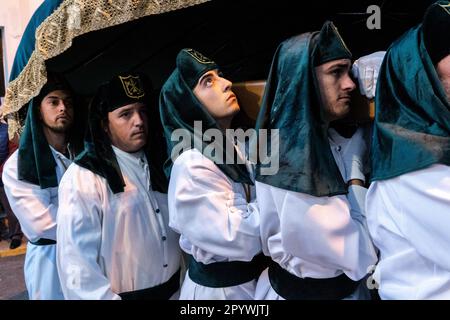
[[71, 19], [198, 56], [446, 7], [132, 87]]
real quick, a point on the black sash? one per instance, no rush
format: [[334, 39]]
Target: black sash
[[43, 242], [226, 274], [291, 287], [162, 291]]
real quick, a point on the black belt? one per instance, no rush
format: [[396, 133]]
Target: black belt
[[291, 287], [226, 274], [43, 242], [162, 291]]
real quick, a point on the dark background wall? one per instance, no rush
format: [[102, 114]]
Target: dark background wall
[[242, 36]]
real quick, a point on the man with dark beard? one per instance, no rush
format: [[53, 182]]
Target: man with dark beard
[[31, 177]]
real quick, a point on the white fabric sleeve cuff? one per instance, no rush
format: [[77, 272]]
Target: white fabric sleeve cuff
[[356, 171]]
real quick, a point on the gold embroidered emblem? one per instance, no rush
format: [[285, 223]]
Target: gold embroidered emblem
[[198, 56], [446, 7], [132, 87]]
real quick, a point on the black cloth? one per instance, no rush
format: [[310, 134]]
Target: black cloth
[[162, 291], [291, 287], [226, 274], [436, 30]]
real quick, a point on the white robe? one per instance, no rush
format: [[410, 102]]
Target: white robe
[[215, 221], [113, 243], [36, 209], [409, 220], [315, 237]]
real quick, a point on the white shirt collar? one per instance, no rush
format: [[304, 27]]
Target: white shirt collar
[[336, 138], [134, 157], [58, 154]]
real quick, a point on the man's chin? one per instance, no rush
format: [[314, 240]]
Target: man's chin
[[340, 113], [60, 128], [137, 145], [345, 109], [235, 110]]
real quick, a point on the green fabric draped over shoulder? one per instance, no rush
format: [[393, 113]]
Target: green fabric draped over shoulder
[[98, 155], [35, 162], [412, 121], [291, 104], [180, 108]]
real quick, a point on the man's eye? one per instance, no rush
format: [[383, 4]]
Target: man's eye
[[68, 103], [124, 114], [209, 82], [336, 72]]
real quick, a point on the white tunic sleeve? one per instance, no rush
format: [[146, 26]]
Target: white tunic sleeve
[[418, 204], [329, 232], [211, 212], [79, 237], [35, 208]]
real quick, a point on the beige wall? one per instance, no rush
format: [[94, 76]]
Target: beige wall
[[14, 16]]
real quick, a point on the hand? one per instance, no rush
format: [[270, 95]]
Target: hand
[[354, 153], [366, 70]]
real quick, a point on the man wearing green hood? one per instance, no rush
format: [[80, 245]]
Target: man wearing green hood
[[211, 202], [31, 177], [312, 211], [113, 236], [408, 202]]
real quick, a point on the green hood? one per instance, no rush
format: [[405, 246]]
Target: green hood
[[98, 155], [412, 120], [35, 160], [179, 108], [36, 163], [292, 105]]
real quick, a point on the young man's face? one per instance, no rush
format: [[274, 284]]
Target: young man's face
[[443, 71], [57, 111], [128, 127], [214, 92], [335, 86]]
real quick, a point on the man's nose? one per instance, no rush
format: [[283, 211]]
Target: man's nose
[[348, 84], [139, 119], [226, 84], [62, 105]]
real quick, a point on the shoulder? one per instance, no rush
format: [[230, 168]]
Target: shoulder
[[424, 181], [193, 162], [79, 178], [195, 171], [11, 163], [10, 171]]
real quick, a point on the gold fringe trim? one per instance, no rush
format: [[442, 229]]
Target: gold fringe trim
[[55, 34]]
